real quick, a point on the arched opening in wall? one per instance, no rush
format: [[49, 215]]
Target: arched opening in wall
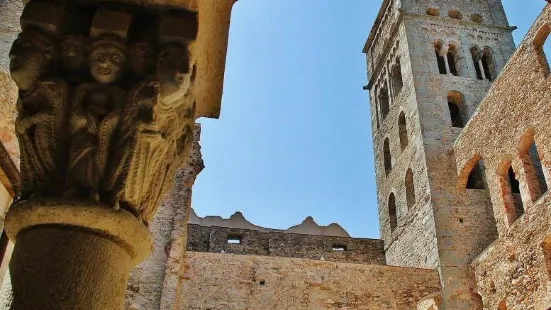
[[440, 58], [384, 102], [397, 81], [410, 189], [403, 131], [477, 57], [453, 59], [510, 190], [476, 178], [393, 217], [502, 305], [387, 156], [543, 48], [533, 168], [488, 64], [455, 14], [456, 105]]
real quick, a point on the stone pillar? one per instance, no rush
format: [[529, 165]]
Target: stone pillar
[[108, 99]]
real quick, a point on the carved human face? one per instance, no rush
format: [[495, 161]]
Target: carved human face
[[30, 57], [107, 61], [141, 59], [173, 67], [73, 53]]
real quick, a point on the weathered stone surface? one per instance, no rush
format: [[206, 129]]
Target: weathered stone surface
[[228, 281], [514, 272], [284, 244]]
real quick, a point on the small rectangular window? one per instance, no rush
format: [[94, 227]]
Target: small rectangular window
[[233, 239], [339, 248]]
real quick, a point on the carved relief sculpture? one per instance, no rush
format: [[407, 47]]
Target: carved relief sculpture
[[89, 134]]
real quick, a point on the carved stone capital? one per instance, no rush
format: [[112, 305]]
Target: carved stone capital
[[108, 116]]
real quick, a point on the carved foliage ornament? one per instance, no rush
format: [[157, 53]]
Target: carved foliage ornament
[[106, 107]]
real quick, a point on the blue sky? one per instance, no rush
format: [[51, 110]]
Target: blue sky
[[294, 137]]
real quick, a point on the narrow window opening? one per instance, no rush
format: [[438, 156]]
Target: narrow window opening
[[410, 189], [397, 80], [455, 115], [475, 52], [234, 239], [476, 178], [339, 248], [440, 59], [533, 168], [392, 212], [488, 65], [387, 156], [456, 107], [384, 102], [453, 60], [511, 196], [403, 132], [262, 283]]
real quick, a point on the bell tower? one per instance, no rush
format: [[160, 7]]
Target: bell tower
[[430, 63]]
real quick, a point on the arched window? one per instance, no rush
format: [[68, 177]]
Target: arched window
[[387, 157], [502, 305], [510, 189], [393, 217], [488, 64], [456, 105], [384, 101], [477, 57], [533, 169], [410, 189], [403, 131], [453, 59], [440, 58], [397, 81], [476, 177], [543, 48]]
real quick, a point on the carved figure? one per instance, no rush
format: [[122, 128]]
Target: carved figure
[[31, 57], [73, 56], [95, 116], [157, 128], [42, 120], [141, 59], [107, 59]]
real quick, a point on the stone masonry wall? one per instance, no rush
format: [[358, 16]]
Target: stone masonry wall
[[282, 244], [214, 281], [154, 283], [514, 272]]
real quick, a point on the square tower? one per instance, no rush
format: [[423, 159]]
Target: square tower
[[430, 63]]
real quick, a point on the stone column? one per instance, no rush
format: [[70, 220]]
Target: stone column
[[108, 99]]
